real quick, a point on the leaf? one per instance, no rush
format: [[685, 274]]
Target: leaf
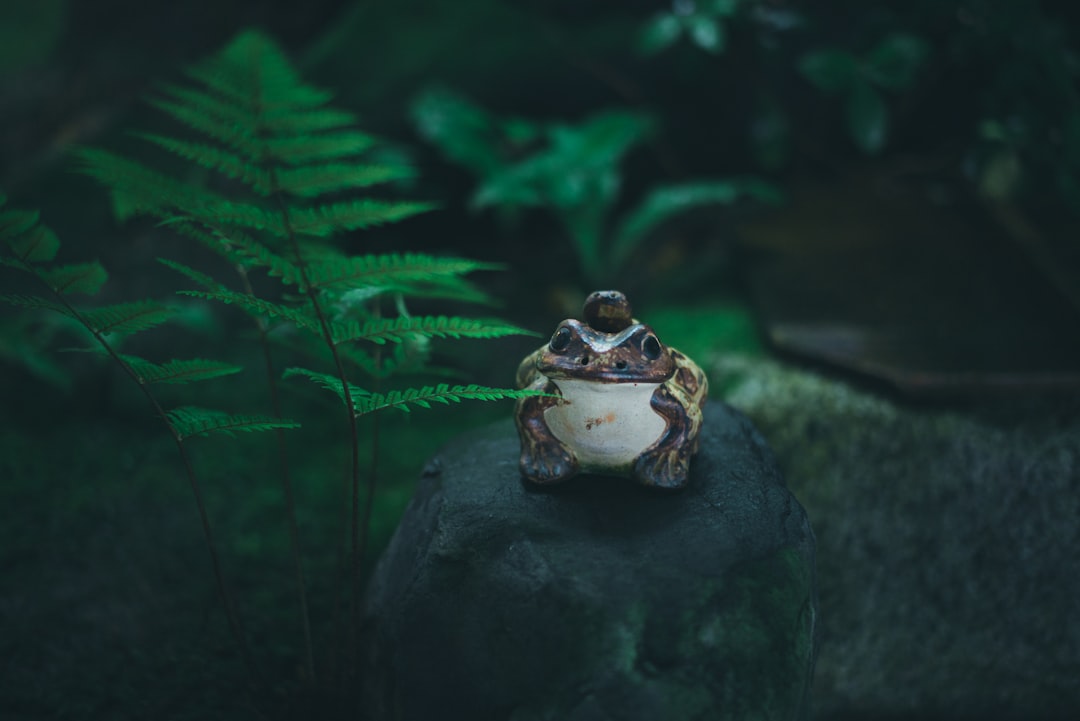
[[830, 70], [666, 202], [190, 421], [659, 33], [403, 400], [395, 329], [301, 149], [179, 371], [256, 306], [35, 302], [391, 269], [27, 240], [894, 61], [313, 181], [201, 278], [706, 32], [124, 318], [329, 382], [86, 278], [464, 132], [326, 220], [223, 161], [868, 118]]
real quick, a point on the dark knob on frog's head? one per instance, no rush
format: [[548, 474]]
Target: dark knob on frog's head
[[608, 311]]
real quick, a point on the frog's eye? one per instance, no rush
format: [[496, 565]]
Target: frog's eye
[[650, 347], [561, 340]]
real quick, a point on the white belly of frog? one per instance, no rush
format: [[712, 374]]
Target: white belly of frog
[[608, 425]]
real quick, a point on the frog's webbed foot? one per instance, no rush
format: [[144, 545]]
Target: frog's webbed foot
[[548, 463], [544, 458], [666, 463]]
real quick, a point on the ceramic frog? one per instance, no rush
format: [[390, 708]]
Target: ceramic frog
[[621, 402]]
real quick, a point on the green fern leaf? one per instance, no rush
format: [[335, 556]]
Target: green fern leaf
[[395, 329], [329, 382], [138, 190], [301, 149], [201, 278], [189, 421], [403, 400], [391, 270], [28, 241], [213, 116], [35, 302], [313, 181], [326, 220], [257, 306], [179, 371], [86, 278], [124, 318], [213, 158]]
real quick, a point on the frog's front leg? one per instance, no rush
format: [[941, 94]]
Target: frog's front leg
[[544, 458], [666, 463]]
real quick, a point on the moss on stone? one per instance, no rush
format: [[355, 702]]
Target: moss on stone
[[947, 542]]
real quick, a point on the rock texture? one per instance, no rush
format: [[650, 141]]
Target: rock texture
[[948, 542], [597, 599]]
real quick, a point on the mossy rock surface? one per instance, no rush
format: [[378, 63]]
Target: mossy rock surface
[[596, 599], [947, 544]]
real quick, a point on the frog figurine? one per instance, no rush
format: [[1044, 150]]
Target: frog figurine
[[619, 402]]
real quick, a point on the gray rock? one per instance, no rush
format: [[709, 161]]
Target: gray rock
[[597, 599]]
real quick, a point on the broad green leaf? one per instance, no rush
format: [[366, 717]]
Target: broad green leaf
[[830, 70], [462, 130], [706, 32], [894, 61], [85, 278], [666, 202], [868, 118], [36, 245], [659, 33]]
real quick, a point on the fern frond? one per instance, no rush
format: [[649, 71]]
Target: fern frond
[[124, 318], [329, 382], [391, 269], [179, 371], [326, 220], [313, 181], [332, 145], [28, 241], [190, 421], [257, 306], [33, 301], [86, 278], [395, 329], [442, 393], [201, 278], [211, 157], [138, 190]]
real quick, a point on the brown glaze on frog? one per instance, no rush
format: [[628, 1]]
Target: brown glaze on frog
[[621, 402]]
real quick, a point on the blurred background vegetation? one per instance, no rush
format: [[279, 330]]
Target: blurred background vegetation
[[891, 189]]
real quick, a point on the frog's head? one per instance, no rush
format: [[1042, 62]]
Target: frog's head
[[610, 347]]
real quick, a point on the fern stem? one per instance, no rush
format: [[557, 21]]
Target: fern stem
[[354, 441], [231, 613], [286, 486]]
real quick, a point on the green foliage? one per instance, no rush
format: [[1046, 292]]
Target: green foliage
[[574, 173], [890, 65], [190, 421], [702, 23]]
